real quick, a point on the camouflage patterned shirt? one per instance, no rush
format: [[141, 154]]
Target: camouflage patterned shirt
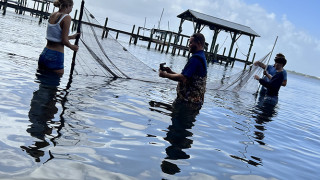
[[195, 71]]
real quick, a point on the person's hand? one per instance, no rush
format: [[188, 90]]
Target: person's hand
[[256, 77], [74, 47], [265, 73], [74, 36], [162, 73], [256, 63], [168, 70]]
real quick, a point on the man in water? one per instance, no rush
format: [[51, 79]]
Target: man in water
[[273, 86], [192, 80], [272, 71]]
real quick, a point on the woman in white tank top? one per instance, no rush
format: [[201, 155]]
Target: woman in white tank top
[[52, 57]]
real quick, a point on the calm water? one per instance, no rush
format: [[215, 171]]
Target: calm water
[[102, 128]]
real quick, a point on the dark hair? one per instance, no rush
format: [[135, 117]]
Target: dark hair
[[198, 37], [281, 60], [280, 55], [63, 3]]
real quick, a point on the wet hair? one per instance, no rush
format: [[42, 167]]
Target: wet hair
[[63, 3], [280, 55], [281, 60], [198, 37]]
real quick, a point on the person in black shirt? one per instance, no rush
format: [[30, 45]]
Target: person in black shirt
[[273, 86]]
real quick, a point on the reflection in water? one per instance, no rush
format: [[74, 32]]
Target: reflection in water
[[263, 113], [41, 114], [183, 117]]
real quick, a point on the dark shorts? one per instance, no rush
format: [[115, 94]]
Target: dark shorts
[[51, 59]]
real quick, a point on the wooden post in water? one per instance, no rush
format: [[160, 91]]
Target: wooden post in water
[[234, 57], [224, 50], [34, 7], [76, 43], [254, 55], [117, 35], [41, 15], [231, 47], [161, 37], [169, 42], [215, 55], [38, 9], [164, 42], [214, 39], [151, 36], [74, 24], [176, 39], [20, 5], [157, 43], [136, 39], [105, 31], [134, 26], [248, 55], [180, 45], [184, 50], [5, 7]]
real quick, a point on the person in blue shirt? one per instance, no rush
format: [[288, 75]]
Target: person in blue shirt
[[272, 71], [273, 85], [192, 80]]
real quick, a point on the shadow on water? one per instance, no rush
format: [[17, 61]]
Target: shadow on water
[[41, 115], [183, 117]]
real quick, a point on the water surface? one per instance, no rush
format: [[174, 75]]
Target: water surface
[[105, 128]]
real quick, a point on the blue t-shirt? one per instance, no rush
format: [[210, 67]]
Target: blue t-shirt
[[272, 71], [273, 86], [197, 65]]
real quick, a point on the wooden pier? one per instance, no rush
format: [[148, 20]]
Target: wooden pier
[[40, 7], [163, 40]]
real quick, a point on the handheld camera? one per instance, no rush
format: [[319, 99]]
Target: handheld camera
[[162, 66]]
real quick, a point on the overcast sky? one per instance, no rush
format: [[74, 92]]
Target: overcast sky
[[296, 23]]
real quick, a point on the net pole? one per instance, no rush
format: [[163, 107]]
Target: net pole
[[275, 42], [77, 38]]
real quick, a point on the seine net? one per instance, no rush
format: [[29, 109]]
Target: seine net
[[241, 81], [108, 58]]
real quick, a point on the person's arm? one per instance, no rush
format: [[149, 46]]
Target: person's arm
[[174, 77], [65, 33], [267, 74], [168, 70], [284, 83], [74, 36], [273, 83], [260, 64]]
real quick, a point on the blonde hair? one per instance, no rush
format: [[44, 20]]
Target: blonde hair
[[63, 3]]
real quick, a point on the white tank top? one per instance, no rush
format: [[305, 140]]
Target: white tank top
[[54, 31]]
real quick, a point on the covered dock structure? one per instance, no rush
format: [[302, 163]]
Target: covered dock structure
[[236, 30]]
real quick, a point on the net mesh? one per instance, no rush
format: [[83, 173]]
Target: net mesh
[[108, 58], [241, 81]]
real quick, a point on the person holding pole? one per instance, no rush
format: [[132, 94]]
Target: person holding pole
[[271, 70], [52, 57], [275, 81]]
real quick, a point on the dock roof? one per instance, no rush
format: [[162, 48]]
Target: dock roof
[[211, 21]]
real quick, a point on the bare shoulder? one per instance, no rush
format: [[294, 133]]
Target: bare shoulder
[[67, 18], [53, 17]]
